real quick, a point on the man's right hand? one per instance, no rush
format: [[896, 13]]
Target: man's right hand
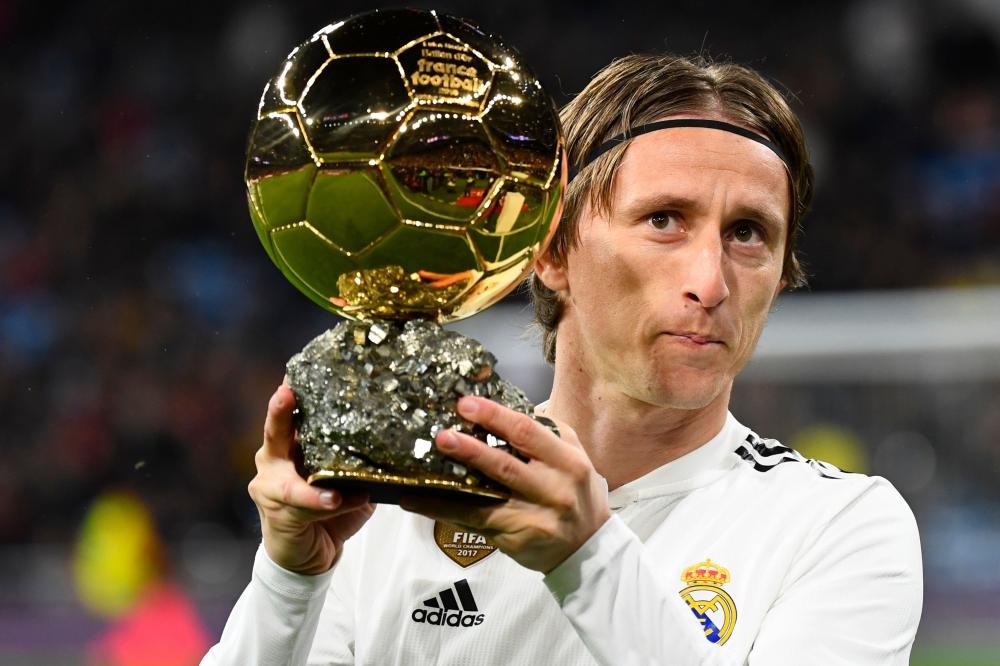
[[304, 527]]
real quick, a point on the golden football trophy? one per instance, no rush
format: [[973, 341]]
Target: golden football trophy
[[403, 171]]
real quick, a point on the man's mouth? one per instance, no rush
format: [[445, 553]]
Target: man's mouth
[[699, 339]]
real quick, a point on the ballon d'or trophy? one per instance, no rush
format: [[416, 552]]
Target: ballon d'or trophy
[[403, 171]]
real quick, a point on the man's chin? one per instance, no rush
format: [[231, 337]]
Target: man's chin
[[693, 389]]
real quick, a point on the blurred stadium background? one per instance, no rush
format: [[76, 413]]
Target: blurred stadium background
[[142, 327]]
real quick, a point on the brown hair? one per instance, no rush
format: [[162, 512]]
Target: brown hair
[[640, 89]]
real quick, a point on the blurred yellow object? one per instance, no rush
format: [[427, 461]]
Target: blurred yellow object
[[116, 554], [833, 444]]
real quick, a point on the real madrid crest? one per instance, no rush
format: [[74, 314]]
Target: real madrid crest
[[714, 608]]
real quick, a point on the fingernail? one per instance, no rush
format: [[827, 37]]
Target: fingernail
[[468, 406], [327, 499], [278, 398], [447, 440]]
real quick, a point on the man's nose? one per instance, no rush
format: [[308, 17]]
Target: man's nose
[[705, 278]]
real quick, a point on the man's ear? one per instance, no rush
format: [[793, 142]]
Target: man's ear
[[551, 272], [780, 288]]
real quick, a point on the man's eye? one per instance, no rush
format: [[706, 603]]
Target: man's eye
[[745, 232], [661, 220]]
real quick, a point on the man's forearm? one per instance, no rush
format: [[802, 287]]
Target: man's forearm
[[274, 621]]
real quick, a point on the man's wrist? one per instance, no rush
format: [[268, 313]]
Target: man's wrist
[[602, 546], [288, 583]]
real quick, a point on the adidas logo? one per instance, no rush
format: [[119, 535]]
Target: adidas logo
[[454, 607]]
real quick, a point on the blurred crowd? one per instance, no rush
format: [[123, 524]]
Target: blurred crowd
[[142, 327]]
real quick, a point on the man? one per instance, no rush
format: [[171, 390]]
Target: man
[[654, 528]]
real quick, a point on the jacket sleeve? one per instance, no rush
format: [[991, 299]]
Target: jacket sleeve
[[619, 606], [852, 596], [275, 621]]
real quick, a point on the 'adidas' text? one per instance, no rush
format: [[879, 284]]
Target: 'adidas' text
[[451, 607], [440, 616]]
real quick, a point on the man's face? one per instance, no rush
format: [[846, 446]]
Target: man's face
[[666, 295]]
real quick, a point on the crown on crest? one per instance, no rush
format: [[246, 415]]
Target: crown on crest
[[706, 573]]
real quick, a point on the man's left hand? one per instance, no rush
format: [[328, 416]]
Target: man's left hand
[[558, 500]]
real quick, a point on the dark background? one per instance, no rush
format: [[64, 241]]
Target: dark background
[[142, 327]]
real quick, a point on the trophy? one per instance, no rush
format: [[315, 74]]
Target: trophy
[[403, 171]]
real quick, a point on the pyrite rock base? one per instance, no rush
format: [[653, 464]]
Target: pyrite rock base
[[371, 396]]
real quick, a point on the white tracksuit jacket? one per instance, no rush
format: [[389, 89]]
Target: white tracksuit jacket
[[741, 552]]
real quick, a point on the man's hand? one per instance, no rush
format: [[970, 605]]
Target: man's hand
[[557, 502], [304, 527]]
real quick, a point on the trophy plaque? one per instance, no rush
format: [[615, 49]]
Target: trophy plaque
[[403, 171]]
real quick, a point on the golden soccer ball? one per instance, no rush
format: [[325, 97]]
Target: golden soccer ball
[[403, 164]]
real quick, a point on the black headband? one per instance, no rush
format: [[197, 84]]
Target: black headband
[[679, 122]]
